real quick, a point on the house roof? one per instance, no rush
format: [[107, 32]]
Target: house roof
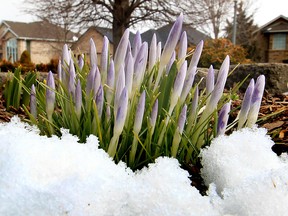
[[40, 30], [193, 36], [278, 24]]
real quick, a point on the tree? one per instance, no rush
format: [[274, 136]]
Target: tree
[[244, 31], [215, 14], [122, 14]]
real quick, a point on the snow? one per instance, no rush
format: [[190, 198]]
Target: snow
[[58, 176]]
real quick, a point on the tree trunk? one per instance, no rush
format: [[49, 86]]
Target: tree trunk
[[121, 18]]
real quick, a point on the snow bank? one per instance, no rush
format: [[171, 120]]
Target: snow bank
[[250, 178], [58, 176], [52, 176]]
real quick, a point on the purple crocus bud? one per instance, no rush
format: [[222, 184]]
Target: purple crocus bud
[[100, 101], [121, 51], [154, 113], [159, 51], [140, 66], [59, 70], [66, 57], [120, 84], [78, 99], [182, 48], [178, 86], [219, 86], [223, 119], [139, 113], [72, 76], [256, 101], [110, 82], [246, 104], [50, 95], [104, 58], [121, 112], [169, 47], [33, 102], [97, 82], [182, 119], [190, 75], [152, 53], [137, 42], [93, 53], [129, 70], [210, 80], [196, 55], [90, 79], [170, 63], [81, 61]]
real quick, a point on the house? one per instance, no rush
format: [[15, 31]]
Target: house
[[273, 40], [43, 40]]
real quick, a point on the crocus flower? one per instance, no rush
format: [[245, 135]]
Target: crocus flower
[[140, 66], [110, 82], [210, 80], [33, 102], [120, 84], [97, 82], [153, 117], [121, 112], [196, 56], [223, 119], [159, 50], [81, 61], [121, 51], [72, 76], [90, 79], [178, 131], [246, 104], [190, 75], [219, 86], [66, 56], [93, 53], [256, 101], [137, 42], [59, 70], [129, 70], [152, 53], [100, 101], [169, 47], [104, 58], [78, 99], [139, 113], [182, 48], [178, 86], [50, 95]]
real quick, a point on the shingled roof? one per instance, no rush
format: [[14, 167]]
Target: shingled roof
[[40, 30], [193, 36]]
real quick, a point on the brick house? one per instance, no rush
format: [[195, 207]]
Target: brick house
[[41, 39], [273, 40]]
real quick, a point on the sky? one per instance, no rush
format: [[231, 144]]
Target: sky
[[266, 11]]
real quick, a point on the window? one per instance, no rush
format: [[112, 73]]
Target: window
[[279, 42], [11, 48]]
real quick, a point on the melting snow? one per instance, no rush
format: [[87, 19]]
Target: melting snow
[[59, 176]]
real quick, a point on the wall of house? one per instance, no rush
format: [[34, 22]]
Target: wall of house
[[277, 56], [82, 46]]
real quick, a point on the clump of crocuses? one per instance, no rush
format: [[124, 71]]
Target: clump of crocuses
[[143, 103]]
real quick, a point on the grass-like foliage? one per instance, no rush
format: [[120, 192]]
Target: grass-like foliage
[[141, 104]]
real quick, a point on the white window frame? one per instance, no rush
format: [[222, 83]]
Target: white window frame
[[11, 50]]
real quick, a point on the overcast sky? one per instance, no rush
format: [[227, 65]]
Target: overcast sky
[[267, 10]]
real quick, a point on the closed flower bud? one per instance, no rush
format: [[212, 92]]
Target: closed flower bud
[[33, 102], [93, 53], [78, 99], [121, 112], [139, 113], [152, 53], [50, 95], [223, 119]]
